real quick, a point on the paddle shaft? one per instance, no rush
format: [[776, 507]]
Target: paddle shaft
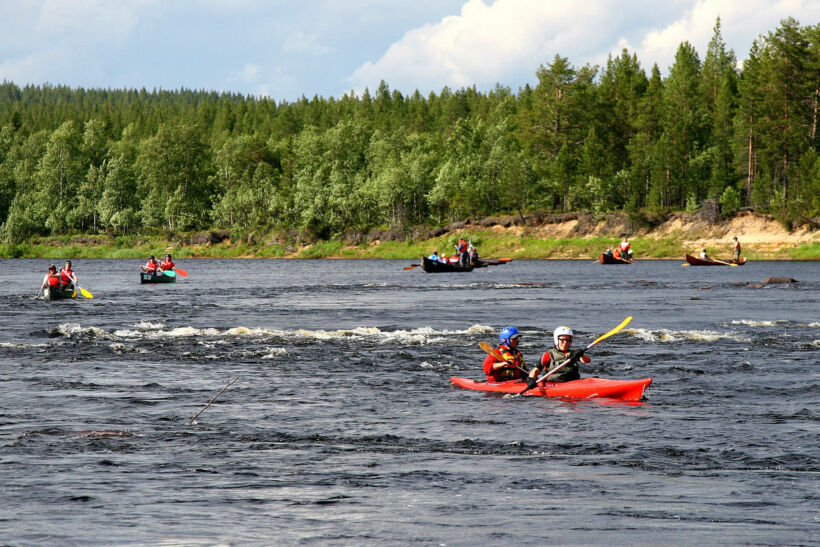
[[212, 400]]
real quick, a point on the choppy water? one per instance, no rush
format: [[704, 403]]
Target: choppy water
[[343, 428]]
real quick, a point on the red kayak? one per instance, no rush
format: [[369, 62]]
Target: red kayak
[[623, 390]]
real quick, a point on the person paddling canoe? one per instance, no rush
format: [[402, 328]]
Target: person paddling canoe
[[51, 280], [167, 263], [68, 279], [562, 337], [151, 266], [513, 366]]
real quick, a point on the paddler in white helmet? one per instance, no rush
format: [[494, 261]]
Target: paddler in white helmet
[[562, 337]]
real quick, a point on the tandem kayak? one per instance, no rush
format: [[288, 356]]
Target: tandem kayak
[[585, 388]]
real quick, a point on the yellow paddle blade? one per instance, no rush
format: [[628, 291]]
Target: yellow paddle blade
[[624, 323], [491, 351], [85, 293]]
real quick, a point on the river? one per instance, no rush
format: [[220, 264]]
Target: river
[[343, 429]]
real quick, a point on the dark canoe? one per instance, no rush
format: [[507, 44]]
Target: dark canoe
[[430, 266], [58, 294], [606, 259], [146, 277], [695, 261]]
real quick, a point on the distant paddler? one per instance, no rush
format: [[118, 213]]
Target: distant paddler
[[68, 279], [735, 250], [51, 280], [151, 266]]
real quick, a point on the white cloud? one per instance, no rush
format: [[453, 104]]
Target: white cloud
[[505, 41], [93, 20]]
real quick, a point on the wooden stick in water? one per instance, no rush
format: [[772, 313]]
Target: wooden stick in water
[[212, 400]]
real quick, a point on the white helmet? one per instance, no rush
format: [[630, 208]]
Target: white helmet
[[561, 331]]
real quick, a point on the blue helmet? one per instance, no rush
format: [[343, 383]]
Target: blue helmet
[[507, 334]]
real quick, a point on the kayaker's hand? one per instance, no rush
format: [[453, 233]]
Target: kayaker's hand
[[575, 356], [531, 383]]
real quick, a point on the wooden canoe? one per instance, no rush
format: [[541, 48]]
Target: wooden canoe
[[431, 266], [696, 261], [606, 259]]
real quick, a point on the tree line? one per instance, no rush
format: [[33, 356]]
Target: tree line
[[583, 138]]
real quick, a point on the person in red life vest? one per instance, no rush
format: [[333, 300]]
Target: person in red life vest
[[52, 278], [512, 367], [461, 252], [461, 246], [167, 263], [151, 266], [617, 253], [67, 277], [562, 337]]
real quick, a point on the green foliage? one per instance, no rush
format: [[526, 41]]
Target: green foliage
[[128, 162], [321, 249], [729, 202]]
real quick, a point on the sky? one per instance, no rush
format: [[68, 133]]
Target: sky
[[286, 49]]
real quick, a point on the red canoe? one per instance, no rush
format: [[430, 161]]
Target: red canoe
[[623, 390]]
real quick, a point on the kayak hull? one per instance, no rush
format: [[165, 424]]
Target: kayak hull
[[696, 261], [146, 277], [585, 388]]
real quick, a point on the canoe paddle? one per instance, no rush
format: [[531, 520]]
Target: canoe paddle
[[722, 262], [617, 329], [181, 272], [411, 266], [85, 293], [497, 356]]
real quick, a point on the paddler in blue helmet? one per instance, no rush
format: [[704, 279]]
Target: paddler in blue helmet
[[562, 337], [512, 367]]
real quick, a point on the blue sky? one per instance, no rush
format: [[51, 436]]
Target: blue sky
[[285, 49]]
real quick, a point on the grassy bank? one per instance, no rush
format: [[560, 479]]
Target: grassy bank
[[490, 243]]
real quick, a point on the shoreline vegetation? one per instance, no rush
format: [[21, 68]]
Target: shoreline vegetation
[[579, 158], [567, 236]]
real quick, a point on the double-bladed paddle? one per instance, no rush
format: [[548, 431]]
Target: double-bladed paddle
[[547, 374]]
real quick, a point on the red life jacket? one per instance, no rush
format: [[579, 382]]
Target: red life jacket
[[53, 279], [166, 265], [506, 372], [462, 246], [151, 267], [66, 276]]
